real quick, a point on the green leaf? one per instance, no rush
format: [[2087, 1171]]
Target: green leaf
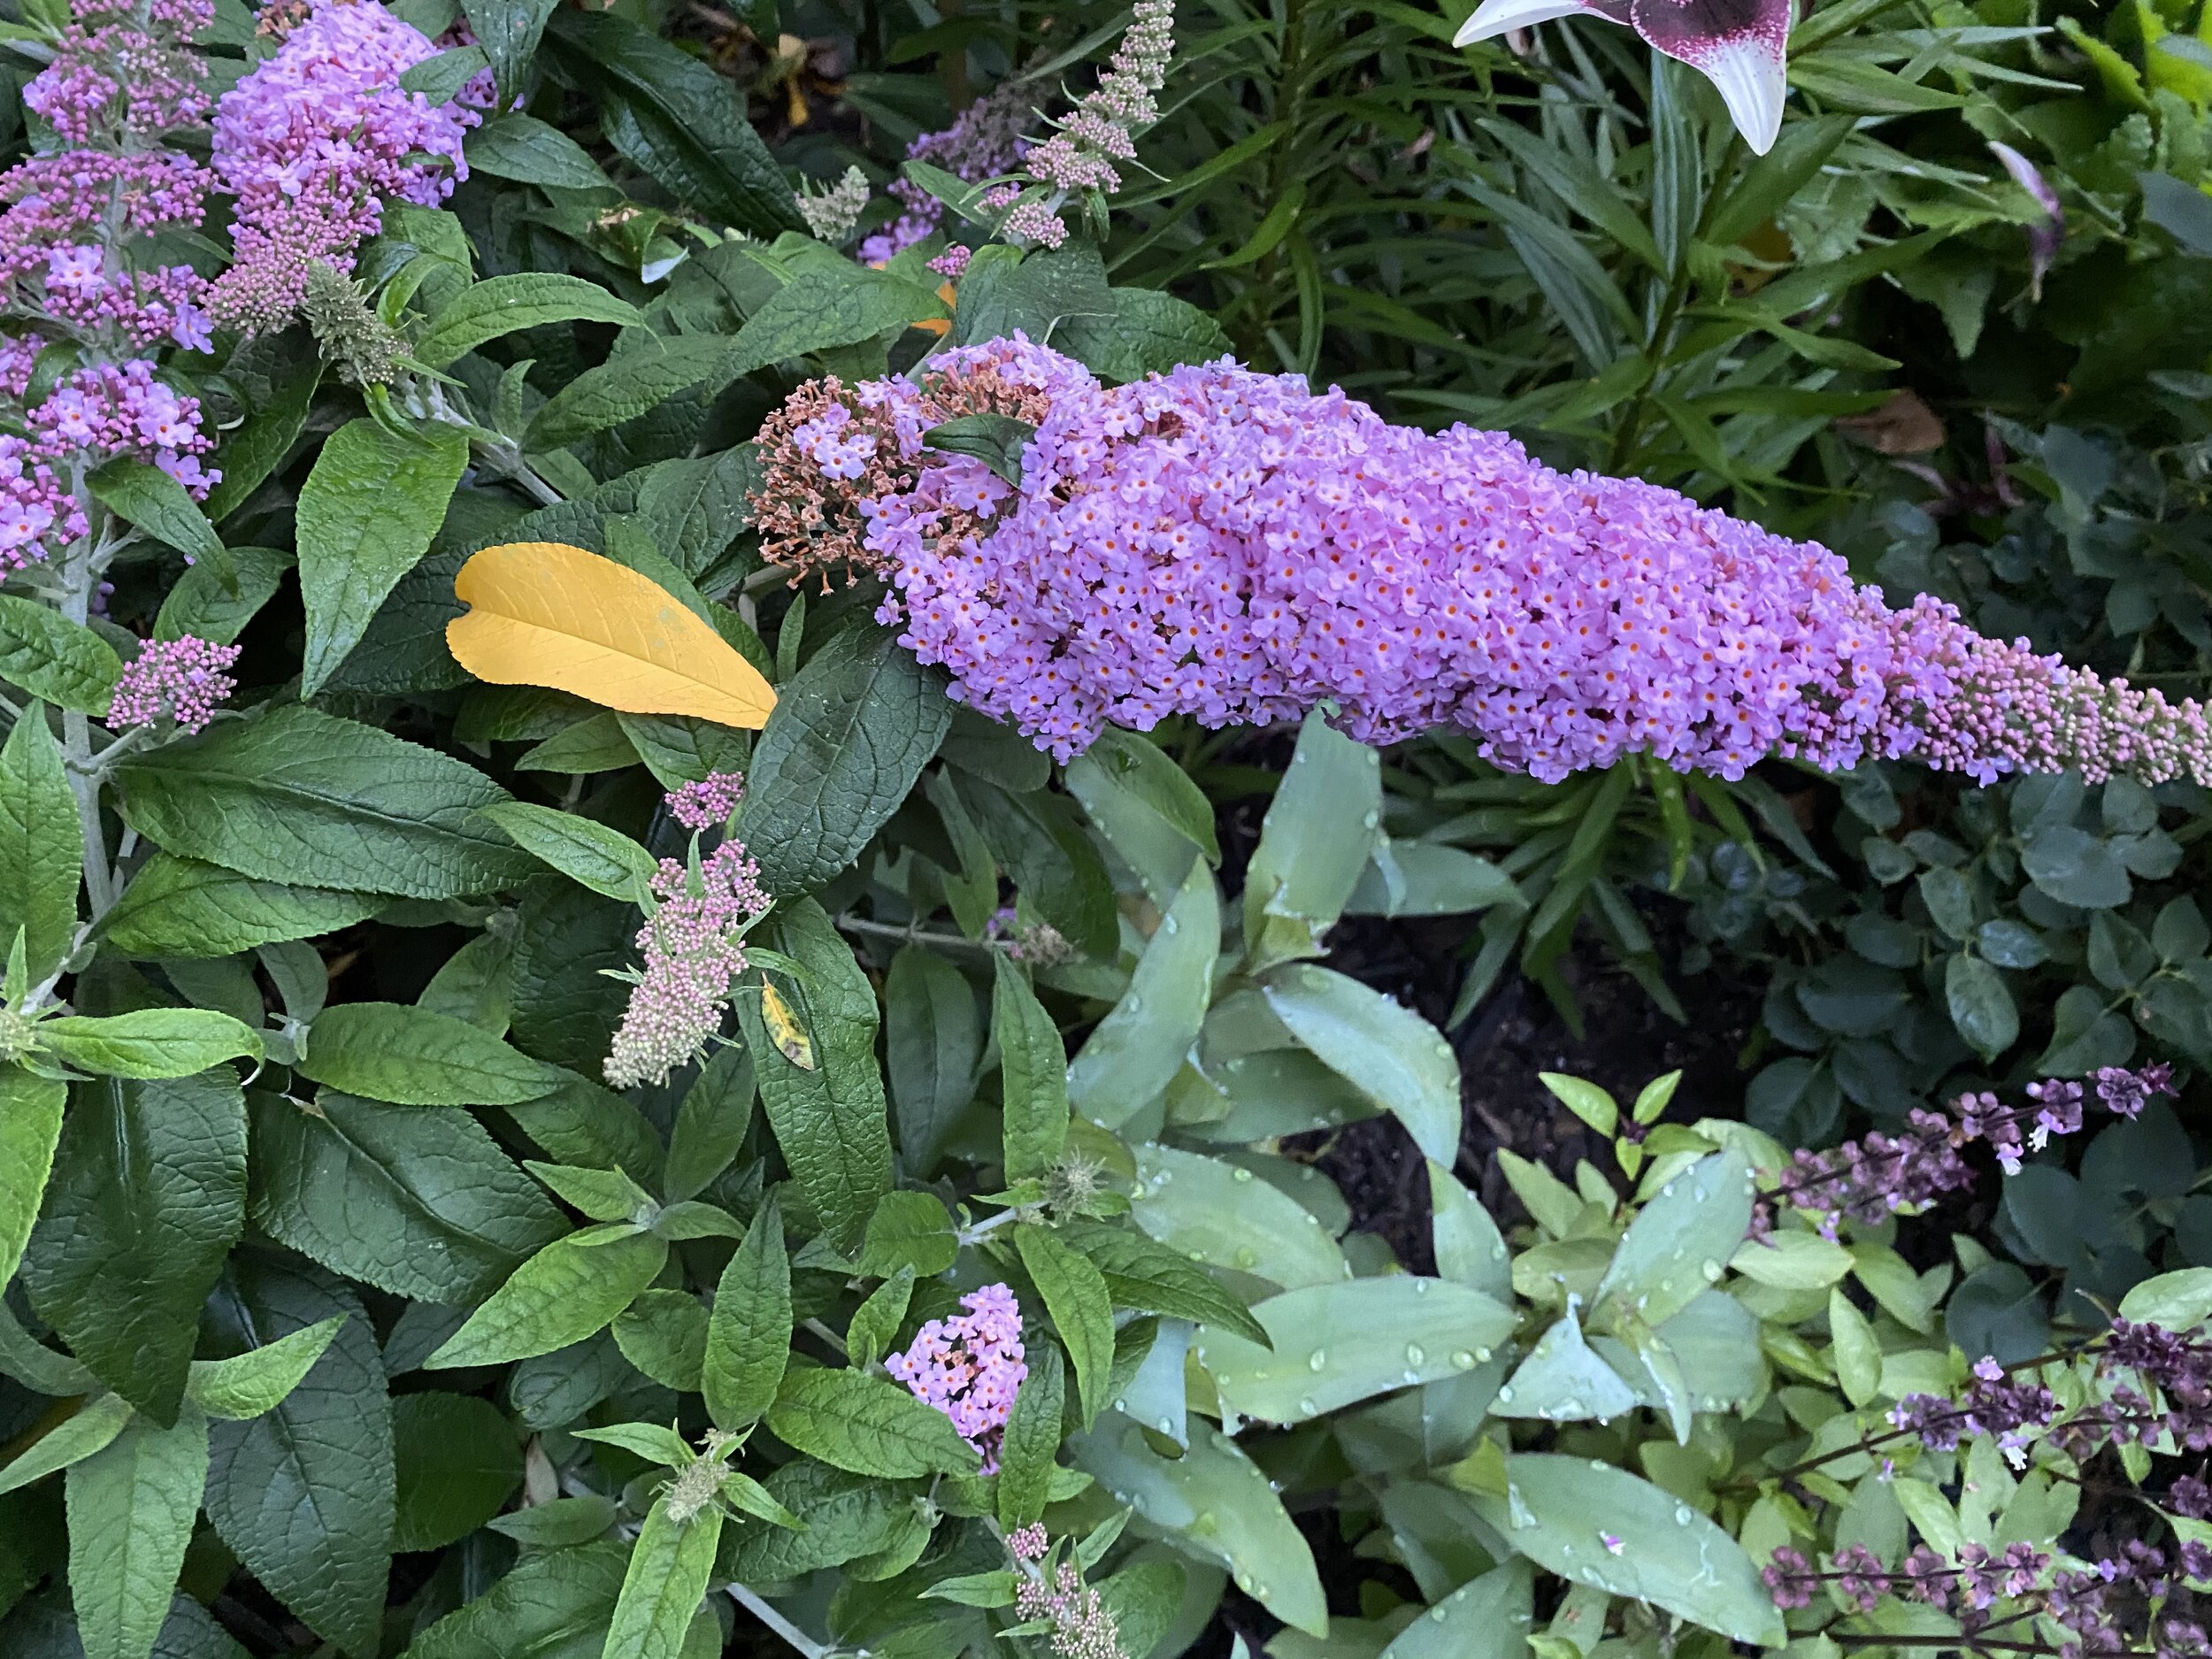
[[258, 1379], [519, 147], [1029, 1450], [571, 1289], [678, 119], [1033, 1069], [217, 605], [40, 845], [500, 305], [1469, 1247], [2179, 1301], [626, 386], [30, 1128], [1153, 1279], [1406, 878], [818, 310], [367, 516], [1145, 333], [455, 1463], [440, 79], [931, 1045], [59, 661], [420, 1201], [909, 1230], [1081, 1308], [1857, 1350], [868, 1333], [303, 1495], [131, 1509], [1486, 1618], [1585, 1099], [38, 1367], [257, 449], [157, 503], [148, 1195], [1133, 1054], [149, 1042], [1383, 1049], [1981, 1008], [711, 1123], [664, 1334], [1677, 1243], [1147, 808], [995, 440], [1038, 295], [1319, 832], [297, 795], [585, 851], [411, 1056], [178, 908], [76, 1438], [651, 1442], [846, 1515], [508, 30], [560, 1524], [1250, 1533], [829, 1121], [2076, 868], [866, 1424], [549, 1605], [1770, 180], [1563, 1380], [848, 738], [1220, 1214], [1335, 1344], [669, 1565], [1559, 1512]]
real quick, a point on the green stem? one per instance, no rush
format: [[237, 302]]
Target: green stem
[[776, 1621]]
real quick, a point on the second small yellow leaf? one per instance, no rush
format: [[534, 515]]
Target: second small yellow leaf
[[543, 613]]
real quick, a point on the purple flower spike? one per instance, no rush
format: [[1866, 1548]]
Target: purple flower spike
[[2044, 239], [1739, 45]]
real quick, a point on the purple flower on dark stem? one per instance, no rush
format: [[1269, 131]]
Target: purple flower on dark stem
[[1739, 45], [2043, 238]]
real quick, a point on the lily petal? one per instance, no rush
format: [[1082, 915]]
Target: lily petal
[[1739, 45], [1496, 17]]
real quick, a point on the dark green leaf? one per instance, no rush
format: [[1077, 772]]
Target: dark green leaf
[[932, 1044], [571, 1289], [869, 1425], [1081, 1308], [553, 1605], [179, 908], [1034, 1072], [61, 661], [149, 1042], [255, 450], [1032, 1444], [157, 503], [455, 1463], [411, 1056], [131, 1509], [995, 440], [500, 306], [710, 1125], [40, 845], [30, 1127], [508, 30], [519, 147]]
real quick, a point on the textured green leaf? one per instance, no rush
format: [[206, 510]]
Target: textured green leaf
[[1220, 1214], [1147, 333], [626, 386], [30, 1128], [866, 1424], [820, 309], [571, 1289], [1486, 1618], [932, 1044], [508, 30], [585, 851], [77, 1437], [1034, 1073], [249, 1384], [848, 1516], [1248, 1531], [1335, 1344], [178, 908], [157, 503], [411, 1056], [519, 147], [1081, 1308], [1132, 1054], [502, 304], [258, 447], [829, 1121], [711, 1123], [1381, 1048], [1560, 1512], [1153, 1279], [1678, 1242], [417, 1201], [367, 516], [303, 1495], [909, 1230], [40, 845], [131, 1509], [664, 1334], [296, 795], [148, 1195], [149, 1042], [551, 1605], [1981, 1006], [669, 1567], [1032, 1443], [850, 735], [455, 1463], [61, 661]]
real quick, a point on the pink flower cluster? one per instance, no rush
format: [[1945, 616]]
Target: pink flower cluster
[[1233, 547], [970, 1367], [1083, 1626], [95, 414], [312, 143], [115, 68], [708, 802], [986, 141], [182, 678], [694, 947], [1081, 155]]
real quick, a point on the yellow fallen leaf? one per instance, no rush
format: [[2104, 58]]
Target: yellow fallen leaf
[[784, 1029], [543, 613]]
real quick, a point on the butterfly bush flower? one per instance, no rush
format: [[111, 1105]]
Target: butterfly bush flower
[[694, 948], [1080, 158], [314, 141], [1234, 546], [832, 215], [183, 678], [1739, 45], [706, 802], [986, 141], [970, 1367]]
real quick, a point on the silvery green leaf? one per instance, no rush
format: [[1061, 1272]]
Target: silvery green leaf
[[1563, 1380], [1224, 1215], [1383, 1049], [1136, 1050], [1487, 1618], [1678, 1242], [1320, 828]]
